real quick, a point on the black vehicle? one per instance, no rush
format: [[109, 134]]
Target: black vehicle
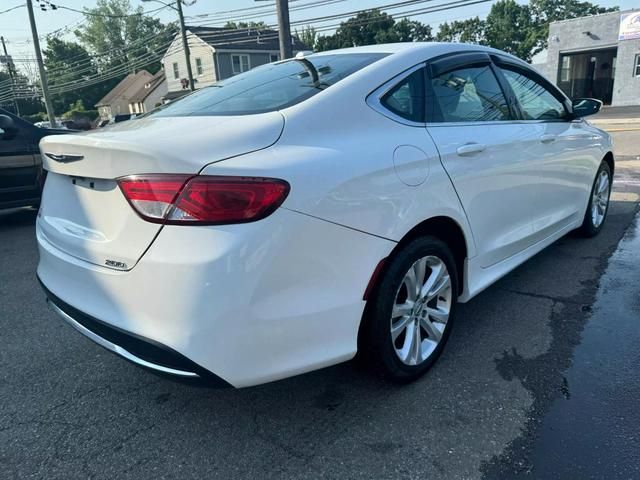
[[21, 173]]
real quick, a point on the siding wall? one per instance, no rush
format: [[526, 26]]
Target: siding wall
[[175, 54], [121, 103], [225, 68], [155, 96]]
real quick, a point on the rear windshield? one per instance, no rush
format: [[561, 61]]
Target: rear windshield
[[269, 87]]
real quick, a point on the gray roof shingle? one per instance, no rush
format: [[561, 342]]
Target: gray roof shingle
[[145, 91], [242, 38], [122, 87]]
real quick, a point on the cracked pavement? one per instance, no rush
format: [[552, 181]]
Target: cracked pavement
[[69, 409]]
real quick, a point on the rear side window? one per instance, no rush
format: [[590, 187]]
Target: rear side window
[[467, 95], [407, 98], [270, 87], [536, 102]]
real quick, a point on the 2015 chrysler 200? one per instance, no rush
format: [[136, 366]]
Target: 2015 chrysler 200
[[337, 203]]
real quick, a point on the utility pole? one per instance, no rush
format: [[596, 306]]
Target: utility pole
[[43, 73], [13, 82], [185, 45], [284, 28]]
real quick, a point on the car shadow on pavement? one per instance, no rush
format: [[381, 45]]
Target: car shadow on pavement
[[78, 408], [17, 217]]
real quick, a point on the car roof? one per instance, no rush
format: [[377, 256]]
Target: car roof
[[424, 49]]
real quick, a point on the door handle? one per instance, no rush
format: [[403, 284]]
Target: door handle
[[548, 138], [470, 149]]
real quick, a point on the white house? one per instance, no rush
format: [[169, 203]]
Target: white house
[[219, 53]]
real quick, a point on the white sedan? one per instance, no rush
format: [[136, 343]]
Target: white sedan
[[309, 210]]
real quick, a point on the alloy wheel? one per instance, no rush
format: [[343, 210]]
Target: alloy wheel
[[421, 310], [600, 199]]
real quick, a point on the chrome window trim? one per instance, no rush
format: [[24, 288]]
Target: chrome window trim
[[374, 99], [118, 350], [492, 122]]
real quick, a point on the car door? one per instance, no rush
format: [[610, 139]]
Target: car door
[[471, 121], [561, 146], [18, 172]]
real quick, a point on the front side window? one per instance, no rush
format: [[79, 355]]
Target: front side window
[[467, 95], [176, 71], [270, 87], [636, 70], [199, 69], [240, 63], [407, 98], [536, 102]]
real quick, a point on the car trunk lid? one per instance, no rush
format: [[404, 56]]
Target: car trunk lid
[[85, 214]]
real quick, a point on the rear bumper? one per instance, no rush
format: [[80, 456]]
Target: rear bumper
[[141, 351], [249, 303]]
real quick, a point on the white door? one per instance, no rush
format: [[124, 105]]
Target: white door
[[479, 144], [562, 149]]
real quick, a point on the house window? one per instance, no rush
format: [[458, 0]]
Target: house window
[[565, 69], [274, 57], [636, 70], [176, 70], [240, 63], [199, 69]]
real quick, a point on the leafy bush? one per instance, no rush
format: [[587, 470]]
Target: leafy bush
[[36, 117]]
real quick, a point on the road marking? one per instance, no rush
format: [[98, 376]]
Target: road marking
[[635, 129], [624, 197]]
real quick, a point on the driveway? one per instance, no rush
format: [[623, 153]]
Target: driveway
[[69, 409]]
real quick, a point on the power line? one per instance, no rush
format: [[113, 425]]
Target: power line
[[220, 17], [13, 8], [48, 5], [145, 58]]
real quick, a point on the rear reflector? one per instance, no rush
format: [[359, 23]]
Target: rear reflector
[[201, 199]]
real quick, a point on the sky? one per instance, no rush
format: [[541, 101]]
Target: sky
[[14, 25]]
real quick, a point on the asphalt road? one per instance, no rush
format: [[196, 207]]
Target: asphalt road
[[492, 407]]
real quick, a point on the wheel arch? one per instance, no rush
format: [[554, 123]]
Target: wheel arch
[[450, 232], [610, 161], [442, 227]]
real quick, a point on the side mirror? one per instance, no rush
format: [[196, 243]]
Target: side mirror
[[7, 127], [585, 106], [6, 122]]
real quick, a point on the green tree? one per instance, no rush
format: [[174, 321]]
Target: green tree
[[119, 35], [373, 27], [308, 36], [28, 105], [366, 28], [68, 62], [413, 31], [463, 31], [543, 12], [327, 42], [509, 27]]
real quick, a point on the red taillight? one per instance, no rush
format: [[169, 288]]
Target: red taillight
[[201, 199]]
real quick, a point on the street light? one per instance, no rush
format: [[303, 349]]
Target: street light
[[183, 32]]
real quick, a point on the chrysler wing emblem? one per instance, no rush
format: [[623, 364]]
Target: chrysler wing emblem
[[64, 157]]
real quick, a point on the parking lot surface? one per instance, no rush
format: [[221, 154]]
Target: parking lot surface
[[496, 405]]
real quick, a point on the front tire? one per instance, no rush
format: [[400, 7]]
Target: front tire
[[409, 315], [598, 206]]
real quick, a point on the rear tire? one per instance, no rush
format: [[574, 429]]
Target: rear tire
[[598, 207], [409, 314]]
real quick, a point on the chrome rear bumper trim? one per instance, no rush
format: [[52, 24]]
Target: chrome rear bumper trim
[[118, 350]]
